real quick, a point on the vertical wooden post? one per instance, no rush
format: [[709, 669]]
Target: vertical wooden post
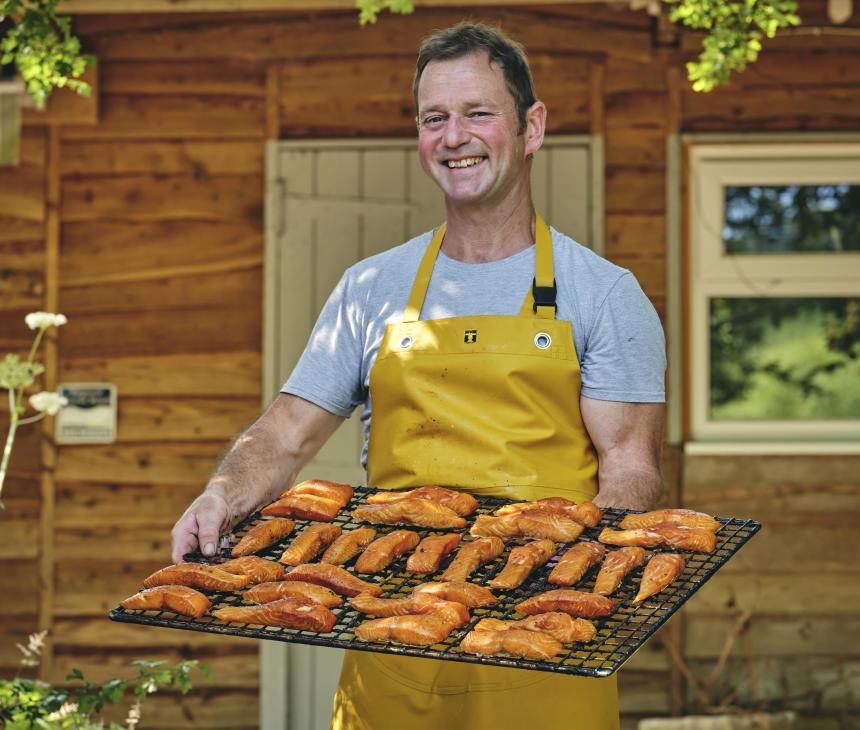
[[273, 103]]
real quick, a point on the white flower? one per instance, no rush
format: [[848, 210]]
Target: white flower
[[48, 402], [37, 320]]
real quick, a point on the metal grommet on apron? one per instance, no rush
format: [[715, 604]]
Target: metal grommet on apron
[[406, 342], [542, 340]]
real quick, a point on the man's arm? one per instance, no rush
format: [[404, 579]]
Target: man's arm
[[260, 463], [628, 438]]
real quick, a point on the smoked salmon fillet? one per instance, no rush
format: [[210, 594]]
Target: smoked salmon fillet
[[586, 514], [462, 503], [410, 511], [666, 534], [468, 594], [568, 600], [259, 570], [418, 630], [522, 561], [471, 556], [616, 565], [416, 603], [511, 642], [348, 545], [430, 553], [305, 507], [561, 626], [333, 577], [659, 573], [538, 523], [179, 599], [291, 612], [262, 535], [310, 542], [575, 563], [197, 575], [268, 592], [382, 551], [318, 488], [685, 517]]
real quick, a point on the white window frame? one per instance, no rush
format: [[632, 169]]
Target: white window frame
[[713, 273]]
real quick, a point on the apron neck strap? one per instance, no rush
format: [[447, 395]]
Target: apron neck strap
[[540, 300]]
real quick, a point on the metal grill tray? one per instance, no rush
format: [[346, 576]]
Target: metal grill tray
[[618, 635]]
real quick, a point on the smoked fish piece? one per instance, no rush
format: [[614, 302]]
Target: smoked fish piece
[[416, 603], [568, 600], [268, 592], [258, 569], [512, 642], [666, 534], [410, 511], [575, 563], [468, 594], [419, 630], [262, 535], [586, 514], [197, 575], [309, 543], [334, 578], [318, 488], [661, 570], [522, 561], [305, 507], [430, 553], [382, 551], [685, 517], [291, 612], [471, 556], [462, 503], [561, 626], [179, 599], [537, 523], [616, 565], [348, 545]]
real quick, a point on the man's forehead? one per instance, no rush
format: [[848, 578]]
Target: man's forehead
[[478, 58]]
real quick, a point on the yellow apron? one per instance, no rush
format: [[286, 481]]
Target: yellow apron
[[489, 404]]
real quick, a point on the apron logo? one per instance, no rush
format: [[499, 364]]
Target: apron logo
[[470, 336]]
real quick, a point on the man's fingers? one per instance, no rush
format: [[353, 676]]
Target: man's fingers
[[209, 523], [183, 543]]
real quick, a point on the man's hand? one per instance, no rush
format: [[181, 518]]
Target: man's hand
[[200, 526]]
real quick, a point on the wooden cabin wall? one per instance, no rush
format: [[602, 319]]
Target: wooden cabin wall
[[161, 246]]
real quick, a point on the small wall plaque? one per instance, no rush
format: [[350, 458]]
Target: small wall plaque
[[90, 416]]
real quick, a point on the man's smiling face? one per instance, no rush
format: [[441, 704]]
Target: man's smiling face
[[468, 137]]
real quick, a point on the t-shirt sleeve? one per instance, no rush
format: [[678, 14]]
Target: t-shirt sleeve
[[329, 371], [625, 350]]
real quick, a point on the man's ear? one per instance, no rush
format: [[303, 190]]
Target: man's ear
[[535, 127]]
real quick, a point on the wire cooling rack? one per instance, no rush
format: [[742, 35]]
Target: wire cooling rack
[[618, 635]]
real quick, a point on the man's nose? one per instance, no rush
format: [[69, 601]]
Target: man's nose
[[456, 131]]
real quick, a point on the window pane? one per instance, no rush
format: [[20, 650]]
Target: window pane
[[784, 359], [792, 219]]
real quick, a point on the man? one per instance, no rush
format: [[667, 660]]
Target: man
[[492, 354]]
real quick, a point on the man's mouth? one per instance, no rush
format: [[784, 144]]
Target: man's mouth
[[465, 162]]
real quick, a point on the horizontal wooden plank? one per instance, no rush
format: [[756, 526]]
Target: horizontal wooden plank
[[166, 157], [650, 271], [150, 197], [643, 148], [636, 109], [122, 541], [14, 630], [19, 585], [709, 475], [208, 6], [201, 374], [207, 707], [635, 190], [91, 504], [188, 419], [21, 288], [802, 69], [635, 234], [14, 229], [189, 78], [22, 190], [65, 106], [167, 463], [87, 634]]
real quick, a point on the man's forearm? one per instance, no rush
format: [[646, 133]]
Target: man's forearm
[[629, 487]]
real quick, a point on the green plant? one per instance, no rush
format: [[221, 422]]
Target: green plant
[[43, 48]]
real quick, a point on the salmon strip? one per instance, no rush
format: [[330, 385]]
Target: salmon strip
[[197, 575], [685, 517], [537, 523], [410, 511], [179, 599], [417, 603], [575, 563], [462, 503], [333, 577], [430, 553], [419, 630], [310, 542], [616, 565], [586, 514], [268, 592], [522, 561], [468, 594], [659, 573], [665, 534], [561, 626], [305, 507], [576, 603], [259, 570], [382, 551], [291, 612], [512, 642], [348, 545], [341, 493], [262, 535], [473, 555]]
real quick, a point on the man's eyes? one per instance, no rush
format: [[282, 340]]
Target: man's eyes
[[436, 121]]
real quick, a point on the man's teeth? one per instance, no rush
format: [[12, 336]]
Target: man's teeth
[[468, 162]]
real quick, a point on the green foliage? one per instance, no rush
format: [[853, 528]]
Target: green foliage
[[15, 374], [43, 48], [368, 10], [735, 32]]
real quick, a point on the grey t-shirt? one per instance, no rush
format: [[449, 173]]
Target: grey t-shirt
[[617, 334]]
